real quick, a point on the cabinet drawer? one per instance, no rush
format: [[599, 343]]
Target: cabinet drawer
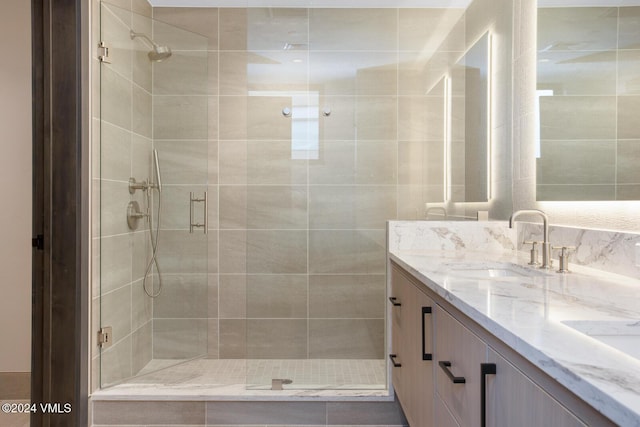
[[459, 354], [442, 415]]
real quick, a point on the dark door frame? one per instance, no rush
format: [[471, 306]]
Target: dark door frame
[[60, 211]]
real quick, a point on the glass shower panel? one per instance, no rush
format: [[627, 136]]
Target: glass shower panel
[[154, 195], [321, 178]]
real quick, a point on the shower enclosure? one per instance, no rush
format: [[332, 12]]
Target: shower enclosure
[[305, 129]]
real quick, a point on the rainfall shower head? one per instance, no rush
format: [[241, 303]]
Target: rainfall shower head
[[158, 53]]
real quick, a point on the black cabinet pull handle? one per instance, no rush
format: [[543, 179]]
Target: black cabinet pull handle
[[485, 369], [425, 355], [394, 301], [445, 365], [393, 360]]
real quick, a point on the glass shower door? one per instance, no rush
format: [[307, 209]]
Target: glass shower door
[[156, 206]]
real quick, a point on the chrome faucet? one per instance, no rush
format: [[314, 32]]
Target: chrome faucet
[[546, 245]]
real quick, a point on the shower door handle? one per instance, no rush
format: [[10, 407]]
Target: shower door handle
[[192, 223]]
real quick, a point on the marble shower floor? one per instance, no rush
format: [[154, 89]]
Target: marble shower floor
[[238, 377]]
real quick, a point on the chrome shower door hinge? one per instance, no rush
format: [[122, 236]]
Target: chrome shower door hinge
[[105, 337], [103, 52]]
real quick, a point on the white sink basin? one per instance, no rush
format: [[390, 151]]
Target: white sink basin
[[623, 335], [475, 270]]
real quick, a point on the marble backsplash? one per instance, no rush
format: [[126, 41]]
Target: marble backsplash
[[610, 251], [492, 236]]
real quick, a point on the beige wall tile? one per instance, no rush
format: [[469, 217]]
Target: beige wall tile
[[115, 24], [628, 65], [411, 168], [271, 28], [186, 28], [233, 119], [353, 73], [577, 73], [411, 202], [141, 304], [346, 338], [143, 413], [347, 252], [341, 124], [116, 99], [276, 339], [115, 362], [276, 207], [116, 311], [584, 28], [141, 250], [233, 28], [353, 29], [179, 338], [185, 73], [259, 413], [270, 163], [183, 252], [141, 161], [141, 65], [213, 296], [114, 153], [336, 164], [115, 252], [561, 192], [577, 162], [142, 348], [377, 162], [276, 296], [180, 117], [142, 114], [212, 339], [628, 127], [276, 251], [421, 118], [627, 171], [627, 192], [578, 117], [176, 206], [423, 30], [233, 251], [233, 296], [233, 338], [233, 207], [183, 162], [376, 117], [182, 296], [334, 296], [142, 7], [113, 207], [232, 162], [628, 31], [351, 207]]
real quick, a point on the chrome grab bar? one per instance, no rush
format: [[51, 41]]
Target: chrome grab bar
[[193, 224]]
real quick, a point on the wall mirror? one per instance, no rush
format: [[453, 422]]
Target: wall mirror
[[588, 93], [470, 118]]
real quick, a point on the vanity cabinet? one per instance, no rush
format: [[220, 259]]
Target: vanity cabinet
[[459, 355], [412, 348], [468, 366], [514, 400]]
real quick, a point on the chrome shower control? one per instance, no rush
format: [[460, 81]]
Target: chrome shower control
[[134, 215], [135, 185]]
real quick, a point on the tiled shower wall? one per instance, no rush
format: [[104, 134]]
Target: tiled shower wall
[[121, 148]]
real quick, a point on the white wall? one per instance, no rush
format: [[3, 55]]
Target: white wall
[[15, 186]]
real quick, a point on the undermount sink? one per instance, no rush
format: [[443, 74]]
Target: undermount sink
[[623, 335], [473, 270]]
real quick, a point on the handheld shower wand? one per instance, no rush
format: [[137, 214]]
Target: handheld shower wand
[[154, 241], [158, 184]]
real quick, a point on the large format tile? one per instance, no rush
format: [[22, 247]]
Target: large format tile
[[233, 296], [115, 98], [628, 153], [351, 207], [421, 118], [271, 163], [336, 164], [346, 338], [422, 30], [114, 198], [233, 338], [365, 413], [142, 347], [141, 304], [628, 78], [261, 413], [278, 251], [176, 208], [233, 251], [347, 296], [115, 262], [276, 296], [186, 73], [582, 28], [144, 413], [180, 117], [115, 311], [178, 38], [115, 362], [142, 115], [182, 252], [276, 338], [353, 29], [628, 127], [577, 162], [377, 117], [577, 73], [628, 30], [575, 192], [182, 296], [578, 117], [179, 338], [183, 162], [347, 252], [114, 25], [114, 153]]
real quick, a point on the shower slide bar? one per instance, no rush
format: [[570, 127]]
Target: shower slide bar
[[193, 224]]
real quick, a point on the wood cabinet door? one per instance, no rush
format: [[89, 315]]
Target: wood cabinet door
[[402, 332], [442, 416], [514, 400], [421, 361], [464, 352]]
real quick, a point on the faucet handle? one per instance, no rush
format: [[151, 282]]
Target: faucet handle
[[563, 258], [534, 251]]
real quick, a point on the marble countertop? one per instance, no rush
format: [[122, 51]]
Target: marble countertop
[[534, 314]]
